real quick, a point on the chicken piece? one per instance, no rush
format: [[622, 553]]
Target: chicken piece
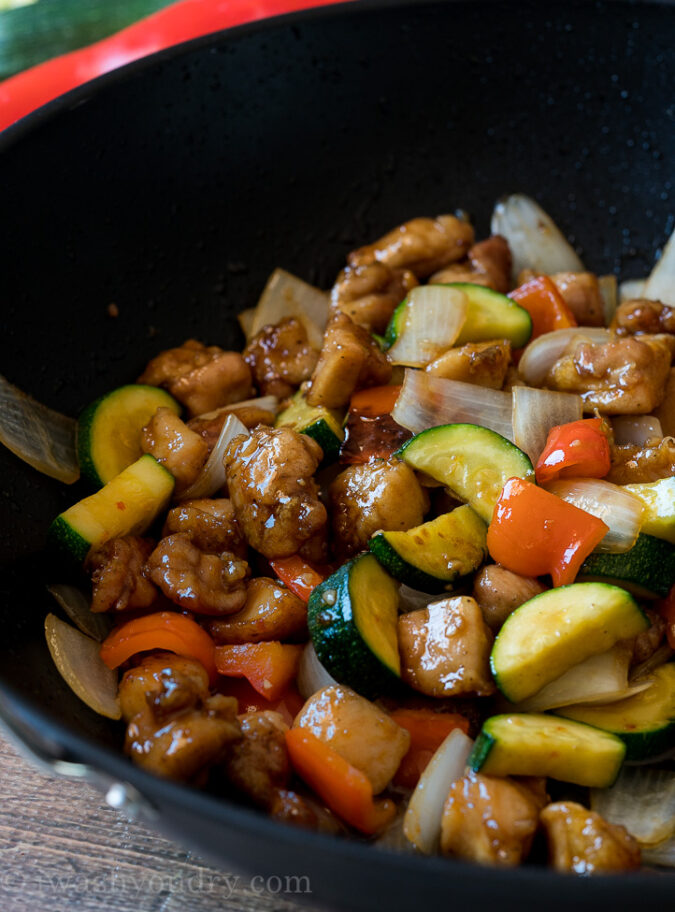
[[491, 821], [281, 358], [369, 294], [488, 264], [581, 292], [583, 842], [289, 807], [210, 525], [200, 377], [482, 363], [638, 465], [350, 360], [210, 425], [172, 443], [359, 731], [421, 245], [259, 765], [643, 316], [648, 642], [383, 494], [666, 411], [117, 577], [271, 612], [499, 592], [275, 498], [445, 649], [204, 583], [621, 377], [175, 729]]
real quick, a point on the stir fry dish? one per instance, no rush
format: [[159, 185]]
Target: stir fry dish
[[403, 568]]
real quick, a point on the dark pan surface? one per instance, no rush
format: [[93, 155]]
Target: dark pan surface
[[174, 187]]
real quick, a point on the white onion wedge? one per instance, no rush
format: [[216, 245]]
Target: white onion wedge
[[411, 599], [426, 401], [267, 403], [643, 800], [76, 606], [535, 240], [212, 476], [43, 438], [422, 821], [536, 411], [632, 288], [285, 295], [433, 316], [77, 658], [663, 854], [312, 676], [618, 508], [540, 355], [660, 285], [245, 319], [609, 293], [635, 429]]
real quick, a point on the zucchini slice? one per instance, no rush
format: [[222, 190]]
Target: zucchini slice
[[533, 744], [558, 629], [352, 619], [647, 570], [109, 430], [659, 500], [432, 555], [492, 315], [127, 505], [321, 424], [644, 722], [474, 462]]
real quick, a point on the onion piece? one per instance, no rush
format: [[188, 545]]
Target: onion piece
[[663, 854], [609, 293], [660, 285], [212, 476], [535, 240], [245, 319], [536, 411], [267, 403], [77, 658], [433, 316], [635, 429], [43, 438], [422, 821], [285, 295], [643, 800], [426, 401], [411, 599], [631, 288], [76, 606], [541, 354], [312, 676], [662, 655], [613, 504]]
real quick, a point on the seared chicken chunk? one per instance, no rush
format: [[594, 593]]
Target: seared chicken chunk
[[358, 730], [422, 245], [275, 498], [210, 525], [172, 443], [200, 377], [445, 649], [210, 425], [646, 643], [488, 263], [204, 583], [383, 494], [280, 358], [666, 411], [491, 821], [499, 592], [369, 294], [350, 360], [258, 764], [638, 465], [643, 316], [117, 577], [271, 612], [582, 842], [482, 363]]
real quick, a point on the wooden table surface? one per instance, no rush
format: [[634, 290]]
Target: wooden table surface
[[63, 850]]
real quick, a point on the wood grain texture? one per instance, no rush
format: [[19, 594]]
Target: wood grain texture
[[63, 850]]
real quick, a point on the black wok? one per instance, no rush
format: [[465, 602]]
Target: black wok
[[173, 187]]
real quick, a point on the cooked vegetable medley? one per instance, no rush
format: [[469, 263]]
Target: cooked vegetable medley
[[405, 566]]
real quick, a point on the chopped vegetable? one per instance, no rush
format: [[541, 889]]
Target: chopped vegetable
[[540, 355], [378, 400], [321, 424], [635, 430], [573, 450], [545, 305], [536, 411], [285, 295], [312, 676], [212, 476], [667, 611], [643, 801], [428, 730], [492, 315], [426, 324], [647, 570], [76, 606], [660, 286], [658, 498], [297, 575], [269, 667], [613, 504]]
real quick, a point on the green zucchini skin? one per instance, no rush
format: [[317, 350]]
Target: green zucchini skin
[[492, 315], [647, 570], [66, 541], [316, 422], [403, 571], [330, 444]]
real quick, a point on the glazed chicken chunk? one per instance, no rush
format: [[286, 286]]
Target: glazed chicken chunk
[[275, 498], [280, 358], [258, 765], [488, 263], [643, 316], [210, 425], [639, 465], [582, 842], [210, 525], [482, 363], [581, 293], [117, 577], [370, 293], [172, 443], [499, 592], [271, 612]]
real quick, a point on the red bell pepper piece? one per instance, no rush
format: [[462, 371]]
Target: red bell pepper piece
[[378, 400], [534, 532], [299, 576], [574, 450], [370, 430], [269, 667], [288, 705], [428, 730], [544, 303], [166, 630]]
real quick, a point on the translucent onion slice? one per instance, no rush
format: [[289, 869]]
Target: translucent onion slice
[[632, 288], [536, 411], [662, 854], [635, 429], [287, 296], [422, 821], [77, 658], [212, 476], [662, 655], [621, 510], [432, 320], [660, 285], [43, 438], [643, 800], [411, 599], [426, 401], [312, 676], [535, 240], [540, 355], [267, 403], [245, 320], [76, 606], [610, 296]]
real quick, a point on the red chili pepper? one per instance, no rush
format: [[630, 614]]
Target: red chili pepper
[[21, 94], [579, 449], [544, 303], [534, 532], [299, 576]]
